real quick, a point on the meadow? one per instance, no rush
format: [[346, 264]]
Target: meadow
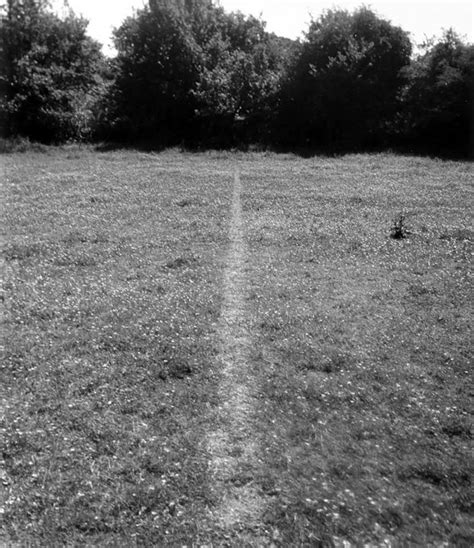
[[113, 270]]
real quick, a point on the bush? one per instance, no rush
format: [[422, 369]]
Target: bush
[[437, 100], [341, 89], [50, 71]]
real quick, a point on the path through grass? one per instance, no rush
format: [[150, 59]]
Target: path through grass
[[233, 443]]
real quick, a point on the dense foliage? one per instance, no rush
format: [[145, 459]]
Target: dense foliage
[[342, 88], [190, 72], [438, 101], [50, 73], [155, 69], [187, 72]]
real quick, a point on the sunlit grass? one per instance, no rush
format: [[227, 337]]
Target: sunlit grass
[[112, 288], [112, 265], [363, 346]]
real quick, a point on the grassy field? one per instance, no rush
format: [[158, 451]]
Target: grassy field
[[112, 293]]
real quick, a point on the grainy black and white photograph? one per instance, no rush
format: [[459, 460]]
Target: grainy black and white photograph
[[236, 273]]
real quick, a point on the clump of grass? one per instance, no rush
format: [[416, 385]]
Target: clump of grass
[[459, 234], [20, 144], [186, 202], [181, 262], [20, 252]]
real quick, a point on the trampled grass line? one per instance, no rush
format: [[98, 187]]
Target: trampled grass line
[[232, 445]]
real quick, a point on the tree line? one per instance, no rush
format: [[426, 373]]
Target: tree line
[[189, 73]]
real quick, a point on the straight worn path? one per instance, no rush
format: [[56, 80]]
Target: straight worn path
[[233, 444]]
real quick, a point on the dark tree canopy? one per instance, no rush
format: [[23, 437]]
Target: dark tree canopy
[[156, 67], [187, 72], [438, 100], [343, 86], [239, 78], [50, 72]]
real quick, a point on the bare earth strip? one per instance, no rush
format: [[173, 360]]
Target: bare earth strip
[[233, 444]]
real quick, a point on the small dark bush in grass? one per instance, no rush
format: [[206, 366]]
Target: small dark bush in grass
[[399, 229]]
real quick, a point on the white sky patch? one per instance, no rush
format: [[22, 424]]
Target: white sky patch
[[422, 18]]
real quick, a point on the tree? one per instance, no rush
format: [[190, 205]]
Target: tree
[[188, 71], [238, 80], [342, 87], [439, 97], [156, 68], [50, 75]]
